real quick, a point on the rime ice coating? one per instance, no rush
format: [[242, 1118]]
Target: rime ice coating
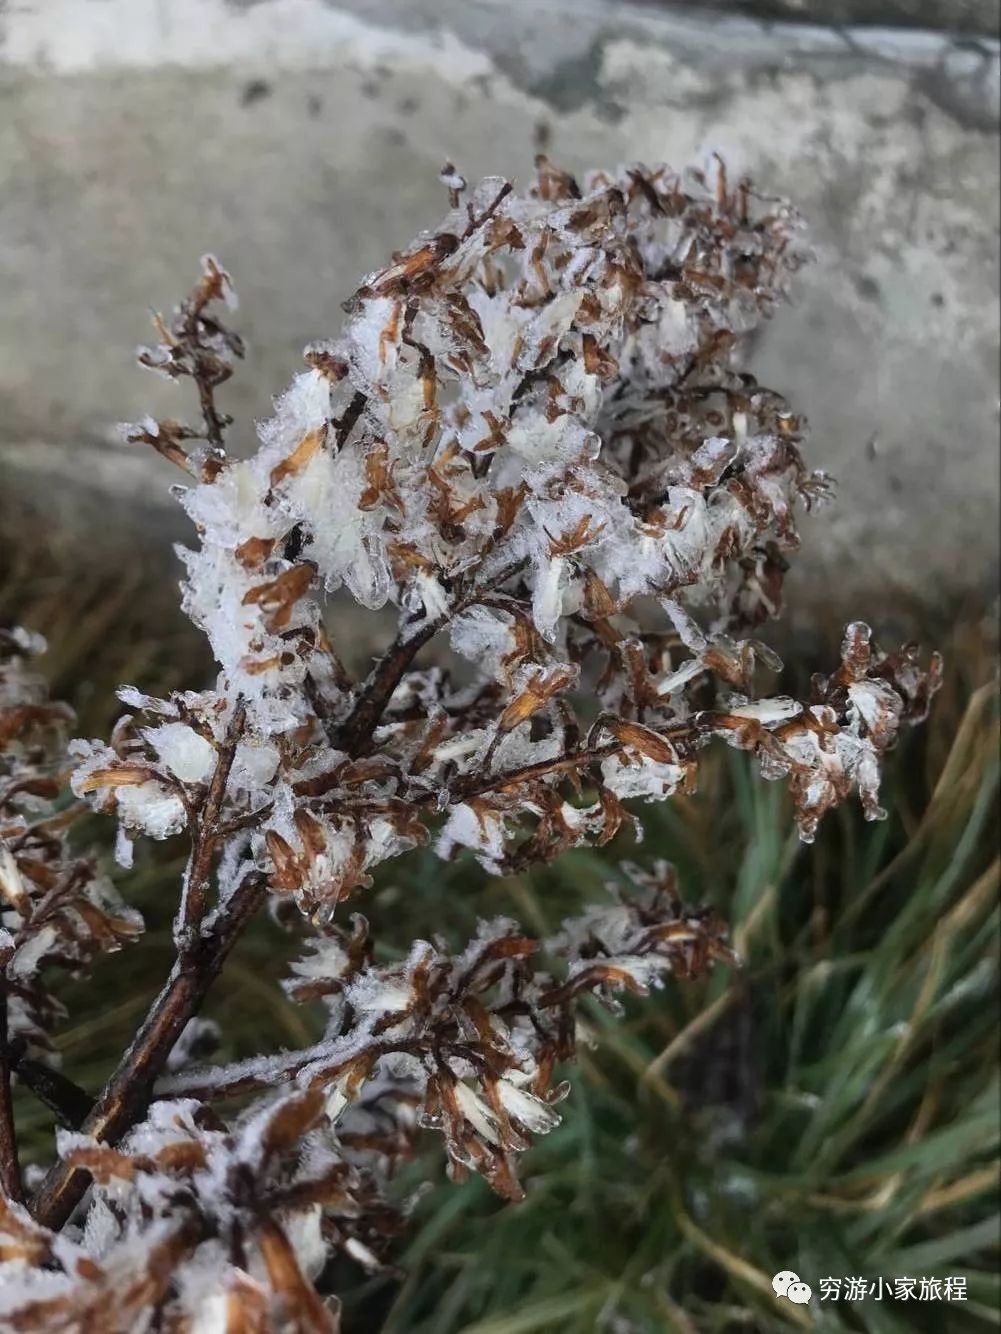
[[533, 440], [531, 426]]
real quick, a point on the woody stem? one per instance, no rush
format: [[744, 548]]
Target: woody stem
[[196, 878], [126, 1096], [354, 734], [10, 1167]]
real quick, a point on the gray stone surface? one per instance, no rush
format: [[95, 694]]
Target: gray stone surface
[[301, 140], [969, 17]]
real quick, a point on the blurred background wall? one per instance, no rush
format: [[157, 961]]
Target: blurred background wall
[[300, 141]]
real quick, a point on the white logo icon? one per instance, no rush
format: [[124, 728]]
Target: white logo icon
[[787, 1284]]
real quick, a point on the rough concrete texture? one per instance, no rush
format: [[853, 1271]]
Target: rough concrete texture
[[968, 17], [300, 141]]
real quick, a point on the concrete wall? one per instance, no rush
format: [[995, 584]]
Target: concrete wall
[[301, 140], [973, 18]]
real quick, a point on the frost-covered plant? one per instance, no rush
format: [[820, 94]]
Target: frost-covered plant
[[532, 441]]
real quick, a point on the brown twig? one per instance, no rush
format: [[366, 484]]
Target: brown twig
[[579, 759], [354, 733], [479, 784], [10, 1167], [71, 1104], [194, 895], [348, 419], [126, 1096], [208, 370]]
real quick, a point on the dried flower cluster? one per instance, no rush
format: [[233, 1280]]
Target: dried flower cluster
[[531, 440]]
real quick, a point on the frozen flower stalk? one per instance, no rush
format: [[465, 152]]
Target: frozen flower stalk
[[533, 440]]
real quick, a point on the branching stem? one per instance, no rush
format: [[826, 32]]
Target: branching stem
[[126, 1096], [354, 734], [194, 896]]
